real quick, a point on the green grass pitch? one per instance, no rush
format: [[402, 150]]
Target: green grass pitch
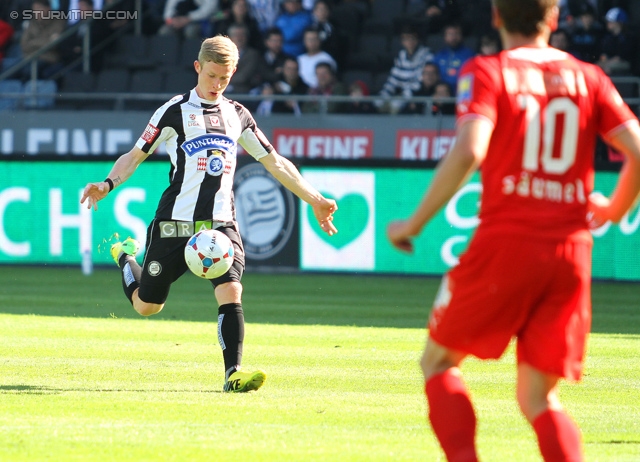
[[84, 378]]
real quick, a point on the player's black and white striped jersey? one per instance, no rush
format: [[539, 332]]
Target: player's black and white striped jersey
[[201, 139]]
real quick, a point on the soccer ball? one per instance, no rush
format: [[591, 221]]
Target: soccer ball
[[209, 254]]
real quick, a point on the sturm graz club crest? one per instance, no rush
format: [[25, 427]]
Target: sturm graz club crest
[[265, 212]]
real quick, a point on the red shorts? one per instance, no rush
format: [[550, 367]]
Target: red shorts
[[509, 286]]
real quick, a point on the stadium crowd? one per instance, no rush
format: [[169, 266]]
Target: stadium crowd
[[312, 47]]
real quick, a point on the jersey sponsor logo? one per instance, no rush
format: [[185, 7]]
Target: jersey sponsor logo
[[207, 142], [265, 212], [465, 89], [215, 121], [150, 133], [194, 122], [215, 163], [154, 268]]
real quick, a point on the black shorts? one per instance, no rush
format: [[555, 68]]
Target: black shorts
[[164, 262]]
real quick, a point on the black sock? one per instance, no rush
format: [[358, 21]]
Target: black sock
[[231, 335], [131, 272]]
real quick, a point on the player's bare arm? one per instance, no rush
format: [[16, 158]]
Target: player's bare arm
[[120, 172], [287, 174], [466, 155], [626, 192]]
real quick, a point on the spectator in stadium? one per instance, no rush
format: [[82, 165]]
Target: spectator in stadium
[[603, 6], [265, 107], [617, 46], [41, 31], [266, 12], [71, 48], [357, 90], [293, 21], [405, 75], [273, 55], [587, 34], [475, 17], [453, 55], [75, 6], [6, 32], [331, 39], [201, 196], [313, 55], [489, 44], [516, 278], [248, 72], [12, 12], [428, 84], [289, 82], [431, 15], [153, 14], [560, 39], [186, 18], [112, 25], [441, 100], [328, 85], [239, 14]]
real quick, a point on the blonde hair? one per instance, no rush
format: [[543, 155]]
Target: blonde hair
[[219, 50]]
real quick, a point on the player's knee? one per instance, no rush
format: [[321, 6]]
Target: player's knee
[[229, 292], [147, 309], [534, 402], [437, 359], [536, 391]]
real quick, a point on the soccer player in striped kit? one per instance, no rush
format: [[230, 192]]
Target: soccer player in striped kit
[[529, 116], [201, 130]]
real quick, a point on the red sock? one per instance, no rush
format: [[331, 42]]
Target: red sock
[[558, 437], [452, 416]]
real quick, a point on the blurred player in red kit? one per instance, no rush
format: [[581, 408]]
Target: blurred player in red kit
[[530, 116]]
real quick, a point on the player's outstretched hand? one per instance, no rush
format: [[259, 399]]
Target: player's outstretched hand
[[324, 214], [596, 210], [400, 234], [93, 192]]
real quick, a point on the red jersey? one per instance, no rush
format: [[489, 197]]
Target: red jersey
[[547, 109]]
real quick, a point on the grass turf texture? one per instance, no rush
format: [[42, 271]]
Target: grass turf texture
[[85, 378]]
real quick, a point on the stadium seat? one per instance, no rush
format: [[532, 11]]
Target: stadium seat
[[180, 81], [379, 80], [627, 87], [130, 52], [78, 82], [189, 52], [472, 42], [112, 81], [383, 14], [8, 103], [163, 51], [43, 94], [145, 81]]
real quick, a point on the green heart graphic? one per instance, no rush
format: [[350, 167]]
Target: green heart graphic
[[351, 219]]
